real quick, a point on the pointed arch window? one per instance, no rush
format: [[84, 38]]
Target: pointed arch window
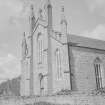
[[40, 48], [41, 79], [58, 63], [98, 72]]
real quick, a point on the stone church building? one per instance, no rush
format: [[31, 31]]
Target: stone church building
[[53, 61]]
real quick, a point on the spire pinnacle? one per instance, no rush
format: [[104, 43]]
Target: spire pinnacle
[[32, 18], [40, 13], [62, 9], [32, 10], [63, 22], [23, 35], [24, 46], [49, 3], [24, 39], [63, 19]]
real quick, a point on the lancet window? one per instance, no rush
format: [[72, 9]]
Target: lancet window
[[40, 48], [58, 63], [98, 72]]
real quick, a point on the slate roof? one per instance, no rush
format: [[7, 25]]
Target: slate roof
[[86, 42]]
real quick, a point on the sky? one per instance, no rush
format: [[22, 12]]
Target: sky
[[84, 17]]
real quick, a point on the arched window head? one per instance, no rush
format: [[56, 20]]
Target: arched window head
[[41, 79], [97, 61], [40, 48], [98, 72], [58, 63]]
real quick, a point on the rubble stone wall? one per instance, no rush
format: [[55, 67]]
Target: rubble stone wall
[[56, 100]]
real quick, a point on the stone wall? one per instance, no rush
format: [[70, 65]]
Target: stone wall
[[76, 99], [63, 82], [82, 67]]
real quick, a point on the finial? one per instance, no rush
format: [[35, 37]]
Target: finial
[[32, 10], [40, 13], [32, 15], [23, 35], [23, 38], [48, 2], [62, 9], [32, 7], [63, 19]]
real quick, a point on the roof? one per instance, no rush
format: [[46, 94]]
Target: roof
[[86, 42]]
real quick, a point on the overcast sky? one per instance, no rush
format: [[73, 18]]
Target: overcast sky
[[85, 17]]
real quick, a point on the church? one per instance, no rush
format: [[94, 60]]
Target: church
[[53, 61]]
